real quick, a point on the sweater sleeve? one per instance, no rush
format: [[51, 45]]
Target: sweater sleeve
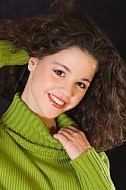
[[92, 170], [8, 56]]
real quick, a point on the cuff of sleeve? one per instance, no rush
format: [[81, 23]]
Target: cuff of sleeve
[[8, 57], [92, 165]]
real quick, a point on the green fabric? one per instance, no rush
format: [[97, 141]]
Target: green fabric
[[9, 57], [31, 159]]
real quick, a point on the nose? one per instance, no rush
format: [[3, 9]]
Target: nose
[[67, 89]]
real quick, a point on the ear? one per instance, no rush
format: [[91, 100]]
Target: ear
[[33, 61]]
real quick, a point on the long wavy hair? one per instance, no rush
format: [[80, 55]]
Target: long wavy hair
[[101, 115]]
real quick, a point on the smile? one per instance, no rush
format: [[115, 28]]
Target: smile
[[56, 102]]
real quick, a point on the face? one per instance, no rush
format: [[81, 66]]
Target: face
[[58, 82]]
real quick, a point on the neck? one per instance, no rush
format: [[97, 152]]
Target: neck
[[51, 125]]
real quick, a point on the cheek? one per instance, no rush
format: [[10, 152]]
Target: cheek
[[41, 83], [37, 83], [77, 99]]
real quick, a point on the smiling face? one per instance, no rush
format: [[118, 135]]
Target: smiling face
[[58, 82]]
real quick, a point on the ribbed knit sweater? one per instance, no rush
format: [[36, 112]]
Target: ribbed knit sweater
[[31, 159], [9, 56]]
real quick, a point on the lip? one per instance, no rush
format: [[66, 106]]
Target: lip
[[54, 103]]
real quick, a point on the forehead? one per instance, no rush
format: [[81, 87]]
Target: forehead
[[74, 53], [73, 60], [75, 57]]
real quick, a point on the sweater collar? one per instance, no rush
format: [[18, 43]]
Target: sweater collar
[[22, 121]]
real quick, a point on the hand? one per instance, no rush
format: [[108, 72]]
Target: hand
[[73, 140]]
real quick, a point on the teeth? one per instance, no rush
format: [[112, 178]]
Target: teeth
[[56, 100]]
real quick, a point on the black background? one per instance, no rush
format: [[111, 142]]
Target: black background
[[110, 15]]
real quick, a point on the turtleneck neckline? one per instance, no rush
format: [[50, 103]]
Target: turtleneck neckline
[[27, 125]]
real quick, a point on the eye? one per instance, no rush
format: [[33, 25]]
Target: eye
[[81, 85], [60, 73]]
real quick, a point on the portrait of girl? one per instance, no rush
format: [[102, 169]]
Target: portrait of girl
[[67, 86]]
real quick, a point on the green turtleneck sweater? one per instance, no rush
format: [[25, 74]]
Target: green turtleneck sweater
[[31, 159]]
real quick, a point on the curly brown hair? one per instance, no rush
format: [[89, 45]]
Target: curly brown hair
[[101, 115]]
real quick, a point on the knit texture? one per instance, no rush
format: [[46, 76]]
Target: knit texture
[[31, 159], [8, 55]]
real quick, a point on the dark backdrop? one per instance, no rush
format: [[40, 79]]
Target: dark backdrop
[[110, 16]]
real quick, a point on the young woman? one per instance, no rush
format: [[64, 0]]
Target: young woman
[[68, 105]]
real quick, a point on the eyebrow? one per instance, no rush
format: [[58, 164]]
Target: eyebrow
[[67, 69], [64, 66], [84, 79]]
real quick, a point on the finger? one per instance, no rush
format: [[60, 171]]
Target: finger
[[72, 128], [66, 133], [61, 137], [69, 129], [65, 130]]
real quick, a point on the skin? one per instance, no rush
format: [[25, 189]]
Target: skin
[[58, 83]]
